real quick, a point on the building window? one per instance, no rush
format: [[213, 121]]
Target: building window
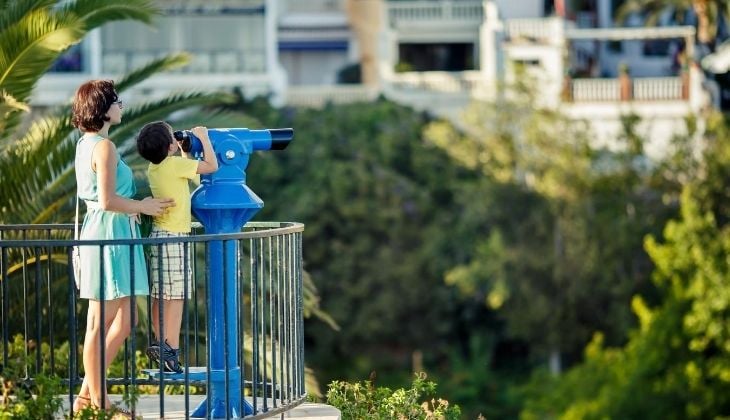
[[69, 62], [436, 57]]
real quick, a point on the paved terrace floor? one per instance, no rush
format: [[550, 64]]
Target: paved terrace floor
[[148, 407]]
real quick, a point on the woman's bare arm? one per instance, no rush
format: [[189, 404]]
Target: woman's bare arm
[[104, 162]]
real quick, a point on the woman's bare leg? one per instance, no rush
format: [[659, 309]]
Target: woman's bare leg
[[117, 326]]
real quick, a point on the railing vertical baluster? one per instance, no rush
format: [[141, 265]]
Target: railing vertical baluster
[[280, 337], [207, 280], [195, 305], [73, 373], [226, 353], [300, 314], [26, 316], [265, 376], [132, 335], [160, 325], [51, 341], [102, 317], [186, 338], [254, 321], [38, 315], [5, 313]]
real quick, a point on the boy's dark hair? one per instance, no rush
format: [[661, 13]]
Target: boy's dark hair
[[91, 103], [154, 141]]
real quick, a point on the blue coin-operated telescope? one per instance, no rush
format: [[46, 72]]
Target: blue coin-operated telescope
[[226, 188], [223, 203]]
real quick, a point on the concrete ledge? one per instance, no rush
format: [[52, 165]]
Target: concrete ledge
[[148, 407]]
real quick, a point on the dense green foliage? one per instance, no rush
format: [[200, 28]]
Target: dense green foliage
[[676, 364], [360, 401]]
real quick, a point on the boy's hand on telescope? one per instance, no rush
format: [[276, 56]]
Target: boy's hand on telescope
[[201, 132], [156, 206]]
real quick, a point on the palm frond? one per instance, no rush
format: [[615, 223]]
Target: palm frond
[[33, 168], [13, 11], [31, 46], [95, 13], [11, 111]]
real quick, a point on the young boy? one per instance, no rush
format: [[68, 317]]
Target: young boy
[[168, 177]]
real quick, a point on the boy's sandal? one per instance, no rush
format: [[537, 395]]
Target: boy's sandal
[[121, 413]]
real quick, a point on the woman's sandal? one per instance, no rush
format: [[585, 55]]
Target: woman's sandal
[[76, 408], [118, 413]]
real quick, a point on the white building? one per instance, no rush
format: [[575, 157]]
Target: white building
[[431, 54]]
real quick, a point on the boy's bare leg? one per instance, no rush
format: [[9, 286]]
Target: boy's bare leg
[[171, 319]]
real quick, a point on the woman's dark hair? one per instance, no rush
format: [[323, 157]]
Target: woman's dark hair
[[154, 140], [91, 103]]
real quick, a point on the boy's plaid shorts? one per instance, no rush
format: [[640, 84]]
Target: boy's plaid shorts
[[173, 266]]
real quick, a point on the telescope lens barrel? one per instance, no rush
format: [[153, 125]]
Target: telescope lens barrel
[[281, 137]]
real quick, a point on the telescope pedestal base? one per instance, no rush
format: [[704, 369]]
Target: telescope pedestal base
[[216, 391], [218, 409]]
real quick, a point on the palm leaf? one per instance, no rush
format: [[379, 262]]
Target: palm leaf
[[95, 13], [15, 10], [31, 46]]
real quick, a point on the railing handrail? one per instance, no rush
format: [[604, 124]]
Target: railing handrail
[[292, 227]]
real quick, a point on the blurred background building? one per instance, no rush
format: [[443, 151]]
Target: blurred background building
[[435, 55]]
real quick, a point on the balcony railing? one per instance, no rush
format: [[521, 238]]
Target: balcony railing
[[414, 11], [203, 62], [319, 96], [641, 89], [313, 6], [437, 81], [43, 321]]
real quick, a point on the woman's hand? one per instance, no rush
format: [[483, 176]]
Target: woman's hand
[[155, 206]]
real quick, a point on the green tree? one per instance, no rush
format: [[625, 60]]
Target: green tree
[[676, 365], [560, 225]]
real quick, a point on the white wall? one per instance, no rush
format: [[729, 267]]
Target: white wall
[[517, 9], [312, 67]]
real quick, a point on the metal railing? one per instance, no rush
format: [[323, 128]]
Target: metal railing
[[41, 318]]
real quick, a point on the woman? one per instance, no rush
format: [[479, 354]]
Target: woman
[[106, 184]]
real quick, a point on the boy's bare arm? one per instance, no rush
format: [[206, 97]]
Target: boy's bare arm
[[210, 162]]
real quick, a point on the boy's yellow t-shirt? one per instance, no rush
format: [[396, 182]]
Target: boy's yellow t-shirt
[[169, 179]]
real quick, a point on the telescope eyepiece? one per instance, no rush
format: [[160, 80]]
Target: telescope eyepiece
[[183, 137]]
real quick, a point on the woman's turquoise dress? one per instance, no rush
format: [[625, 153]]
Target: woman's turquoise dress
[[117, 265]]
